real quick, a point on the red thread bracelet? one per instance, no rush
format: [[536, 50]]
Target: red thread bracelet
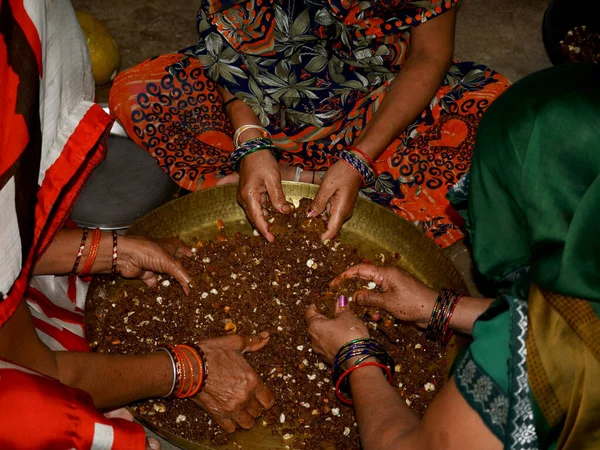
[[447, 334], [365, 157], [346, 401]]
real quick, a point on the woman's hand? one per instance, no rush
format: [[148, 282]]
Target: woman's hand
[[329, 335], [143, 258], [403, 295], [260, 182], [337, 196], [234, 393]]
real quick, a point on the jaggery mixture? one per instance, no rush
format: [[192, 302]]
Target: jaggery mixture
[[242, 284]]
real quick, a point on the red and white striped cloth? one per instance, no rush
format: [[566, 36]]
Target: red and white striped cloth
[[51, 138]]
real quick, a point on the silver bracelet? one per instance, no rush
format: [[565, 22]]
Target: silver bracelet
[[174, 370]]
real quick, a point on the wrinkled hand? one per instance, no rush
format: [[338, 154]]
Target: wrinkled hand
[[329, 335], [260, 182], [143, 258], [234, 393], [336, 196], [403, 295]]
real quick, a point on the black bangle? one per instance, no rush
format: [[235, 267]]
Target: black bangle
[[231, 100]]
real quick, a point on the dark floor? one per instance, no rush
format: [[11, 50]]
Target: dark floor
[[504, 34]]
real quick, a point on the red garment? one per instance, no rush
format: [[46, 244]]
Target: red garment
[[38, 412], [51, 138]]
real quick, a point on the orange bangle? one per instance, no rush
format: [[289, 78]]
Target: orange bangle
[[182, 392], [194, 390], [91, 257]]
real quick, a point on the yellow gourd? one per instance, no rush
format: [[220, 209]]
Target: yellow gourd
[[104, 51]]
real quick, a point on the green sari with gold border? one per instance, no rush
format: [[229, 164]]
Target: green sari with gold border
[[533, 206]]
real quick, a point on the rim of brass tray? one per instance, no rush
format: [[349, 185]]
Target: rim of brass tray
[[195, 215]]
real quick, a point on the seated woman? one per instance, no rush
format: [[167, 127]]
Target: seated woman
[[51, 138], [353, 95], [529, 378]]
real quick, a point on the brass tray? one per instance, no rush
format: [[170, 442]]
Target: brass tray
[[372, 228]]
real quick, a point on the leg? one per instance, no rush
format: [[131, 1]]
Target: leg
[[170, 108]]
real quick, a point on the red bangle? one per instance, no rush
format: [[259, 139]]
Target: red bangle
[[91, 257], [339, 395], [80, 252], [366, 157], [447, 334], [113, 270]]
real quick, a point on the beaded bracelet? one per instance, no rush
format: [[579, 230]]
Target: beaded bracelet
[[115, 253], [238, 133], [249, 147], [80, 251], [439, 321], [345, 377], [364, 170]]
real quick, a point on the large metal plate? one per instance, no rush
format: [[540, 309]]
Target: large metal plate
[[124, 187], [372, 228]]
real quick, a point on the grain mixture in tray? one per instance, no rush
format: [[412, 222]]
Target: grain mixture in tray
[[242, 284]]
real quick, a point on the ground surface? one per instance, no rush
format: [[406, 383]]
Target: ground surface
[[504, 34]]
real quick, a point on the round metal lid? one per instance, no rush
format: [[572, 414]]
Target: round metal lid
[[127, 185]]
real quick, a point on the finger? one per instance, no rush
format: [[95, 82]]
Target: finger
[[152, 444], [256, 216], [254, 408], [335, 222], [365, 271], [366, 297], [341, 305], [227, 424], [149, 279], [277, 196], [121, 413], [312, 316], [244, 420], [177, 271], [183, 250], [319, 203], [253, 343], [265, 397]]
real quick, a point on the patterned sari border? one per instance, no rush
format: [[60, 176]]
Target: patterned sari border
[[483, 394]]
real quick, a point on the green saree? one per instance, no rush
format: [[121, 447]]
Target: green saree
[[533, 207]]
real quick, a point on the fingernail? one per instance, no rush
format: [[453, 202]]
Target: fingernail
[[153, 444], [263, 335], [342, 301], [310, 213]]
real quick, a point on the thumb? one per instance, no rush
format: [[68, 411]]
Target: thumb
[[311, 315], [319, 203], [152, 444], [277, 197], [253, 343], [365, 297]]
